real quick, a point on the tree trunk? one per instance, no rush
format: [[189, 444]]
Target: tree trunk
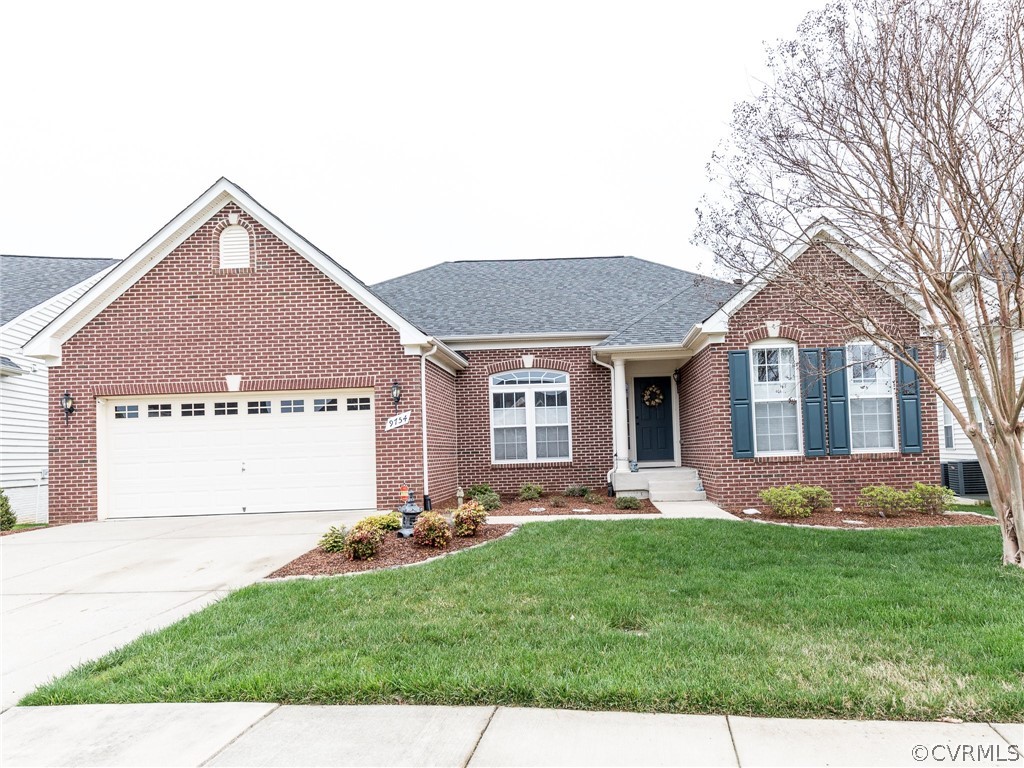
[[1002, 463]]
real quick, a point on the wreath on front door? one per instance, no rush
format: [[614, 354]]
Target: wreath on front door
[[653, 396]]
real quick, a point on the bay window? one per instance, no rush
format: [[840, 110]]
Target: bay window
[[530, 416]]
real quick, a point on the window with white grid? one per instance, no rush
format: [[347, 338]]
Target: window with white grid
[[871, 376], [530, 416], [776, 399]]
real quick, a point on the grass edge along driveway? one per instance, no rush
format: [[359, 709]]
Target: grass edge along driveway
[[698, 616]]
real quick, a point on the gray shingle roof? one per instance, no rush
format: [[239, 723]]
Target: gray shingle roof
[[26, 281], [632, 300]]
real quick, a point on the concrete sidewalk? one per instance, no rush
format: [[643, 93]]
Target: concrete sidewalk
[[272, 735], [669, 510]]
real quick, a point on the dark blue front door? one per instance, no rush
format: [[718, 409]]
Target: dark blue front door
[[652, 403]]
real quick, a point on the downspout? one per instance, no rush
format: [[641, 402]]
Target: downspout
[[611, 375], [423, 425]]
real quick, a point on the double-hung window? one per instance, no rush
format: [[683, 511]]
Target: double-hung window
[[530, 416], [872, 397], [776, 391], [947, 427]]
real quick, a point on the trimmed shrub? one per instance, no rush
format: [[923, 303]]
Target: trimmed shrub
[[819, 499], [7, 517], [930, 499], [469, 518], [883, 501], [787, 501], [334, 539], [489, 501], [579, 491], [627, 502], [362, 543], [594, 498], [557, 502], [477, 490], [432, 530], [392, 521], [529, 492]]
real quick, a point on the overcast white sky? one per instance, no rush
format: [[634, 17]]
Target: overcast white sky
[[392, 135]]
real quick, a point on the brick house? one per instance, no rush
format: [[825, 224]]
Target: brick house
[[229, 366]]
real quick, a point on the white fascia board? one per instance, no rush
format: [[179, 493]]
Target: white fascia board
[[517, 341], [132, 269], [444, 358]]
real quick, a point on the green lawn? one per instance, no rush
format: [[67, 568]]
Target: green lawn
[[653, 615], [28, 526], [982, 509]]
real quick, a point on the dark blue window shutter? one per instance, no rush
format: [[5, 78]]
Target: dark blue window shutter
[[742, 408], [813, 402], [838, 402], [910, 406]]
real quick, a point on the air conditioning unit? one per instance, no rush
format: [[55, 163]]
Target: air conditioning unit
[[965, 478]]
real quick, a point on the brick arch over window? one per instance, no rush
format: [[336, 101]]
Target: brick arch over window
[[786, 333], [517, 363]]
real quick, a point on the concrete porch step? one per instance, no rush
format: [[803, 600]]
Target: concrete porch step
[[690, 495], [669, 486], [669, 473]]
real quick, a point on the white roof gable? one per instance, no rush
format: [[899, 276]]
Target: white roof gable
[[821, 231], [47, 343]]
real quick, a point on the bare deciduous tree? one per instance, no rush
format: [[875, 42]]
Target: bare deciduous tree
[[902, 122]]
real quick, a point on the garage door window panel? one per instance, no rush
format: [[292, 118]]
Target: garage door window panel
[[325, 404], [159, 410], [126, 411], [257, 407], [193, 409], [225, 409]]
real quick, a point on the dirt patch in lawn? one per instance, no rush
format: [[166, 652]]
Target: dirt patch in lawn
[[393, 552], [842, 519], [513, 506]]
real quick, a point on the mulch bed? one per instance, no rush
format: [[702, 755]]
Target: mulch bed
[[908, 520], [393, 552], [26, 530], [513, 506]]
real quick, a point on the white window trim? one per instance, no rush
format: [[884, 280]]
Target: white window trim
[[947, 423], [850, 389], [776, 344], [531, 431]]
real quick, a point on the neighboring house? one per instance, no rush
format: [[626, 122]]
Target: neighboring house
[[230, 366], [33, 290], [961, 469]]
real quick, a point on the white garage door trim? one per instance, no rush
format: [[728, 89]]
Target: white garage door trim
[[320, 455]]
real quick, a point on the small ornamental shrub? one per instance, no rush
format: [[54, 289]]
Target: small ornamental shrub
[[579, 491], [7, 517], [930, 499], [787, 501], [432, 530], [489, 501], [593, 498], [883, 501], [362, 543], [392, 521], [818, 498], [529, 492], [469, 518], [627, 502], [478, 490], [334, 539], [557, 502]]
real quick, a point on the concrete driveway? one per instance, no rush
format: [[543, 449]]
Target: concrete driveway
[[72, 593]]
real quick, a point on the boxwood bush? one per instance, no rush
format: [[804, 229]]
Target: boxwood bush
[[489, 501], [530, 491], [884, 501], [627, 502], [392, 521], [931, 499], [787, 501]]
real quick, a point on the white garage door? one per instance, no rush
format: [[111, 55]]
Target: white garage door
[[230, 453]]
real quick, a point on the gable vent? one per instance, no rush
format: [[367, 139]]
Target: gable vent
[[234, 247]]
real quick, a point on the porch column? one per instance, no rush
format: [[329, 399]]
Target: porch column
[[620, 412]]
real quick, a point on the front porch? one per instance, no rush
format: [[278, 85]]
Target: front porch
[[646, 425]]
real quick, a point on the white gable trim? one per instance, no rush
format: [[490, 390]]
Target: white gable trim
[[834, 238], [47, 343]]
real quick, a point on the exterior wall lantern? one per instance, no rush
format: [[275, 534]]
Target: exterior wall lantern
[[396, 394], [67, 404]]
